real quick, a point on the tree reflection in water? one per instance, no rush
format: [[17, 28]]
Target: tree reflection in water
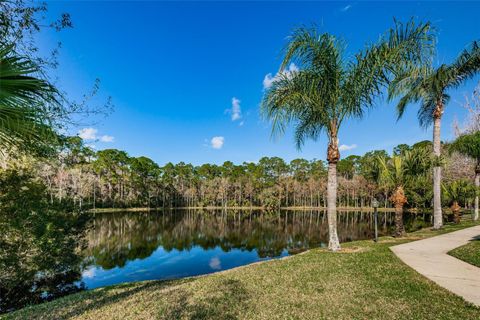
[[118, 238]]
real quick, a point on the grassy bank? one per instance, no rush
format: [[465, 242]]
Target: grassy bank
[[364, 281], [469, 253]]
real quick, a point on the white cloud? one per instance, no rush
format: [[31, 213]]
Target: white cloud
[[107, 138], [269, 79], [345, 147], [88, 273], [217, 142], [215, 263], [88, 133], [346, 8], [236, 110]]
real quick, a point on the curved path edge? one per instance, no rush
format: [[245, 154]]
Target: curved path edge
[[429, 257]]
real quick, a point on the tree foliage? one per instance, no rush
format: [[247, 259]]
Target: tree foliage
[[112, 178], [468, 144], [39, 243]]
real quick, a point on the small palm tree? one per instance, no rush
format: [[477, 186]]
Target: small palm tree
[[469, 145], [397, 173], [328, 89], [456, 192], [393, 176], [25, 103], [429, 87]]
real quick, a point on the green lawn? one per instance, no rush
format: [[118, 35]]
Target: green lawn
[[469, 253], [365, 281]]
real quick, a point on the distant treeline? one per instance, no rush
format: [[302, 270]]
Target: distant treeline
[[112, 179]]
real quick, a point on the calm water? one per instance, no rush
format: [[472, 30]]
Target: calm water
[[125, 247]]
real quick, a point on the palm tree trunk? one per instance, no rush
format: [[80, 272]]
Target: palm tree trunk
[[437, 171], [333, 243], [399, 228], [399, 199], [477, 186], [456, 212], [333, 156]]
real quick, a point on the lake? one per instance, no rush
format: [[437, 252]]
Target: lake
[[135, 246]]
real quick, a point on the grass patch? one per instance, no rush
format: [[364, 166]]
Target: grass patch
[[366, 281], [470, 253]]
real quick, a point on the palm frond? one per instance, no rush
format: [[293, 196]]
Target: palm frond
[[312, 50], [459, 191], [299, 98], [373, 69], [466, 66], [24, 103], [401, 170]]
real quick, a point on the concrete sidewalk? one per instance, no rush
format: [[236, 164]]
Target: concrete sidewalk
[[429, 257]]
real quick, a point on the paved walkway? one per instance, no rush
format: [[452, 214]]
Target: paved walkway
[[429, 257]]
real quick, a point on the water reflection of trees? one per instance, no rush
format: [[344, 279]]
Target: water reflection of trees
[[118, 238]]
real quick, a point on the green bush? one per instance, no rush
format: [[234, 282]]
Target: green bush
[[39, 243]]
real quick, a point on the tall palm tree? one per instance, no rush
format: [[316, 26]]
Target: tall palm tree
[[328, 89], [25, 103], [469, 145], [429, 86], [398, 173]]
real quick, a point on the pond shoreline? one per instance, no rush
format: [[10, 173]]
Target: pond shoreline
[[146, 209]]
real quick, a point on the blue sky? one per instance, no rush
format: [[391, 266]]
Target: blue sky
[[181, 74]]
